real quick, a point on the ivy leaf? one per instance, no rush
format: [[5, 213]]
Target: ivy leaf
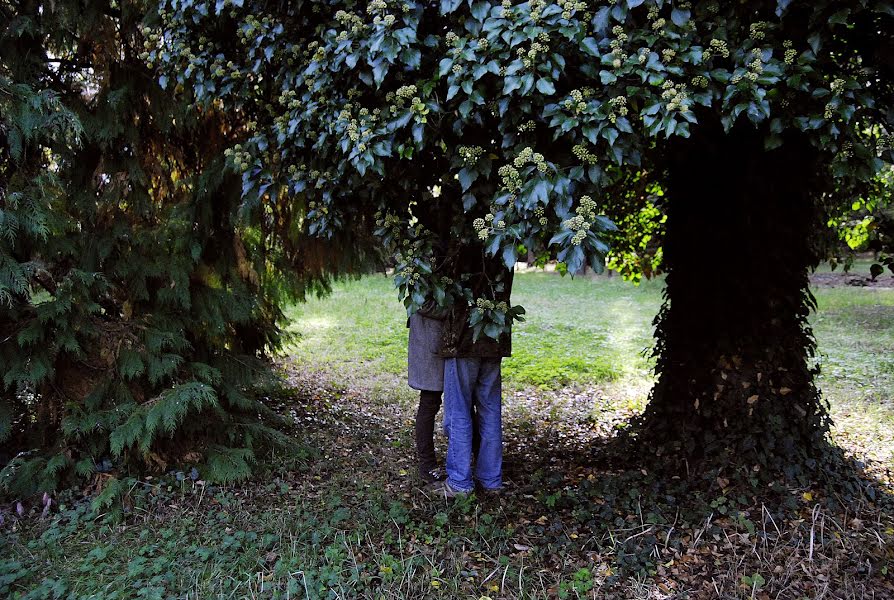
[[680, 16], [591, 46], [510, 255], [601, 19], [467, 177], [610, 134], [634, 3], [480, 10], [540, 193], [380, 69], [815, 43], [781, 6], [545, 86], [841, 17], [444, 67], [448, 6]]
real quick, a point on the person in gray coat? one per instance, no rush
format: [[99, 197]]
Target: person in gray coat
[[425, 372]]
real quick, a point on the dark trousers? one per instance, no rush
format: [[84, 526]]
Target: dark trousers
[[429, 405]]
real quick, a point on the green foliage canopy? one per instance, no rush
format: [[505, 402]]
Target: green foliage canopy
[[520, 113]]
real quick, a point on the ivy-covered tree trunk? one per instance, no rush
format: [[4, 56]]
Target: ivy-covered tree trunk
[[733, 345]]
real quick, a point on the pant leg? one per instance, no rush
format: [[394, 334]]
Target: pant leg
[[488, 392], [459, 377], [429, 405]]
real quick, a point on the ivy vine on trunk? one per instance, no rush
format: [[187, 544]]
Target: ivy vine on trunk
[[734, 348]]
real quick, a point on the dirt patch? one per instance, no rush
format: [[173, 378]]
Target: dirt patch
[[841, 279]]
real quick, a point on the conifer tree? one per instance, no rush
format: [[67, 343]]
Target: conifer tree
[[139, 291]]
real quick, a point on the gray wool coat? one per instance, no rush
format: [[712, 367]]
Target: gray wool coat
[[425, 366]]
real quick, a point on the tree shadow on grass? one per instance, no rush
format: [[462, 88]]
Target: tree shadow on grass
[[707, 525], [580, 505]]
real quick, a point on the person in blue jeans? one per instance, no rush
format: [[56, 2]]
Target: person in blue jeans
[[473, 383]]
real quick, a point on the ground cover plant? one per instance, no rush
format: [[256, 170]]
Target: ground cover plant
[[345, 518]]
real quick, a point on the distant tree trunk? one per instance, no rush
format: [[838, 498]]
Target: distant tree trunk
[[733, 345]]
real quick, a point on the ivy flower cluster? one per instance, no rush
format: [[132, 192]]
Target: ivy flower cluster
[[241, 158], [617, 46], [529, 56], [584, 155], [394, 229], [676, 96], [506, 11], [757, 30], [357, 128], [755, 67], [700, 81], [618, 108], [790, 52], [829, 110], [718, 47], [486, 225], [540, 216], [528, 156], [569, 6], [319, 52], [580, 223], [510, 177], [470, 154], [352, 23], [404, 93], [577, 100], [484, 304], [151, 42]]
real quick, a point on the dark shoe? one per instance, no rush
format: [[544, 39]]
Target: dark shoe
[[432, 475], [489, 492], [486, 492], [445, 490]]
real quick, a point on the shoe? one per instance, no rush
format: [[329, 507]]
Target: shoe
[[443, 488], [432, 475], [489, 492]]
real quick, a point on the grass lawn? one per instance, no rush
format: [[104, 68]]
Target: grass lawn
[[345, 517], [583, 330], [597, 331]]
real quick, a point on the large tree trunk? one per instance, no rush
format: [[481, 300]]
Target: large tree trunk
[[733, 346]]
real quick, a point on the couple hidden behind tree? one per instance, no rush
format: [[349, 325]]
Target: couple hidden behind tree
[[444, 355]]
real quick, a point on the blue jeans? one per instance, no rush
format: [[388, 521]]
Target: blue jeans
[[478, 381]]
